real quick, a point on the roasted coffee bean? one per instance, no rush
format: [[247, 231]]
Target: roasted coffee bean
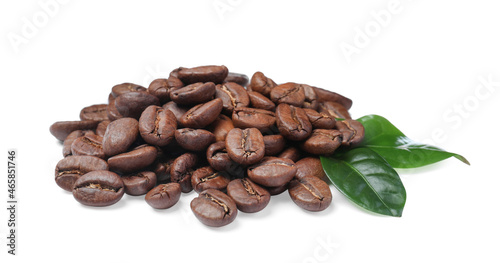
[[193, 94], [214, 208], [290, 93], [161, 88], [320, 120], [96, 112], [240, 79], [175, 73], [277, 190], [232, 96], [162, 169], [215, 74], [352, 131], [135, 160], [248, 196], [274, 144], [311, 99], [245, 146], [208, 178], [293, 122], [139, 183], [310, 166], [326, 95], [71, 138], [132, 104], [101, 127], [194, 139], [221, 126], [112, 111], [260, 101], [245, 117], [69, 169], [89, 144], [272, 171], [218, 157], [334, 109], [98, 188], [62, 129], [290, 153], [119, 136], [261, 84], [123, 88], [310, 193], [164, 196], [157, 125], [202, 115], [322, 142], [182, 169], [177, 110]]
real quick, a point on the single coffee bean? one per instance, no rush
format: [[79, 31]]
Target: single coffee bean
[[175, 73], [277, 190], [208, 178], [69, 169], [221, 126], [96, 112], [164, 196], [176, 109], [132, 104], [71, 138], [214, 208], [260, 101], [253, 118], [310, 166], [334, 109], [245, 146], [290, 153], [62, 129], [248, 196], [194, 139], [139, 183], [119, 136], [272, 171], [161, 88], [352, 131], [232, 96], [157, 125], [98, 188], [182, 170], [311, 99], [310, 193], [262, 84], [90, 144], [290, 93], [112, 111], [322, 142], [162, 169], [326, 95], [320, 120], [133, 161], [215, 74], [274, 144], [193, 94], [217, 156], [202, 115], [123, 88], [240, 79], [101, 127], [293, 122]]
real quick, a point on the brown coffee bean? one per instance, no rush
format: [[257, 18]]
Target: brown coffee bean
[[277, 190], [311, 99], [71, 138], [194, 139], [334, 109], [240, 79], [221, 126], [132, 104], [253, 118], [232, 96], [274, 144], [182, 170], [293, 122], [161, 88], [248, 196], [352, 131], [245, 146], [207, 178], [89, 144], [69, 169], [272, 171], [260, 101], [310, 193], [135, 160], [62, 129], [322, 142], [215, 74], [217, 156], [177, 110], [290, 153], [310, 166], [164, 196], [326, 95], [139, 183], [98, 188], [290, 93], [123, 88], [193, 94], [202, 115], [262, 84], [112, 111], [101, 127], [96, 112], [119, 136], [157, 125], [162, 169], [214, 208], [320, 120]]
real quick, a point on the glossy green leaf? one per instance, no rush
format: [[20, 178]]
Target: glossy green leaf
[[398, 150], [368, 180]]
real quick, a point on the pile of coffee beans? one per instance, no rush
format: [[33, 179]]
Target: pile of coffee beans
[[233, 140]]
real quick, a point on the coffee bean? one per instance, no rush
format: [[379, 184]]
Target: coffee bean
[[176, 109], [262, 84], [274, 144], [71, 138], [310, 193], [248, 196], [221, 126], [290, 153], [157, 125], [311, 99], [232, 96], [193, 94], [214, 208], [253, 118], [62, 129], [272, 171], [69, 169], [218, 157], [119, 136], [162, 169], [320, 120], [133, 161], [293, 122], [112, 111], [260, 101], [215, 74], [182, 170], [123, 88], [101, 127], [245, 146], [277, 190], [98, 188], [310, 166], [240, 79], [194, 139], [161, 88], [132, 104], [290, 93], [139, 183], [352, 131], [89, 144], [164, 196], [208, 178], [96, 112], [322, 142], [202, 115], [326, 95], [334, 109]]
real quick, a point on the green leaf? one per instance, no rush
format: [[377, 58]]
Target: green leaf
[[400, 151], [368, 180]]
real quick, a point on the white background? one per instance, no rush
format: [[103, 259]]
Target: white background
[[421, 68]]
